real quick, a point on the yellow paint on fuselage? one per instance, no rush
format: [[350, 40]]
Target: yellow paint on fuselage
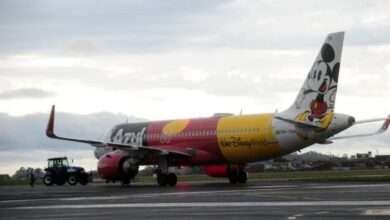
[[175, 127], [247, 138]]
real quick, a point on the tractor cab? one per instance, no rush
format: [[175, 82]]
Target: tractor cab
[[57, 162]]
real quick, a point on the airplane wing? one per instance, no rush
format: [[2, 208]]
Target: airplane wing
[[382, 129], [125, 147]]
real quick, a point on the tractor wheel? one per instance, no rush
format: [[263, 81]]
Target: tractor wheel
[[48, 180], [72, 179], [83, 179]]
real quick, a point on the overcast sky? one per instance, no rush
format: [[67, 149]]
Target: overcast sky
[[157, 60]]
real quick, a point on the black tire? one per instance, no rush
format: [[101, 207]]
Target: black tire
[[233, 178], [72, 179], [242, 177], [48, 180], [83, 181], [125, 181], [162, 179], [172, 179]]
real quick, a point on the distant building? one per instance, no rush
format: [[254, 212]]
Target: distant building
[[4, 177], [364, 155], [383, 157]]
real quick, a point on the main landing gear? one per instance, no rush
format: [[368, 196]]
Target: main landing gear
[[163, 176], [238, 176], [164, 179]]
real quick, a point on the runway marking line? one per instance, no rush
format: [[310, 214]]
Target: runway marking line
[[378, 212], [212, 204], [347, 186], [321, 213], [137, 195]]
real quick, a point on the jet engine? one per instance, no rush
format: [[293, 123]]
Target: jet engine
[[219, 170], [117, 165]]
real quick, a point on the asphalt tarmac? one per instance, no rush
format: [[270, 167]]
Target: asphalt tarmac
[[208, 200]]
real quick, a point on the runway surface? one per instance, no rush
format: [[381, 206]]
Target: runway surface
[[212, 200]]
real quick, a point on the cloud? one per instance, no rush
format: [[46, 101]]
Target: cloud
[[189, 45], [33, 93], [126, 26], [132, 27]]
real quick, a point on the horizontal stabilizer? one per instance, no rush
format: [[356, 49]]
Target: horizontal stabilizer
[[301, 123], [382, 129]]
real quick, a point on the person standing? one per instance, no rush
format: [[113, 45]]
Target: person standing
[[32, 178]]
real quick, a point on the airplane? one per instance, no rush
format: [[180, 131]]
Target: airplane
[[225, 143]]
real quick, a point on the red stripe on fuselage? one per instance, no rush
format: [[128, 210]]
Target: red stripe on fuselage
[[198, 134]]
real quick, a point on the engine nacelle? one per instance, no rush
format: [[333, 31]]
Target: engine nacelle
[[219, 170], [117, 166]]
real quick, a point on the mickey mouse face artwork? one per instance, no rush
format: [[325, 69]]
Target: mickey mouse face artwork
[[321, 80]]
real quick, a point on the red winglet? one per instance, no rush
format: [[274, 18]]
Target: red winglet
[[386, 124], [50, 124]]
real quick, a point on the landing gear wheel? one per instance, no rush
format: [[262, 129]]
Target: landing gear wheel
[[162, 179], [125, 181], [242, 177], [172, 179], [233, 178], [72, 180], [48, 180]]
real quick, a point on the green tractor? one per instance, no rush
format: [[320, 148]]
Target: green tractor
[[58, 172]]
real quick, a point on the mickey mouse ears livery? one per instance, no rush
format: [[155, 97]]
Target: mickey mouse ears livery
[[318, 93]]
